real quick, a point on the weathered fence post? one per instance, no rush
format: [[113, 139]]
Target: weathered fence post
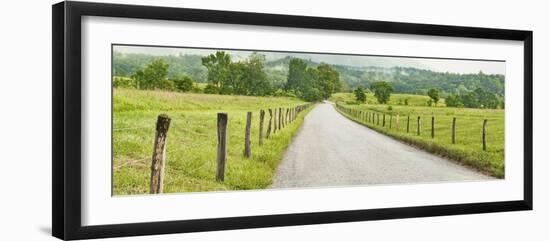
[[222, 146], [274, 120], [397, 122], [390, 120], [408, 123], [281, 125], [262, 115], [269, 124], [418, 126], [247, 134], [377, 119], [454, 130], [372, 119], [286, 116], [484, 135], [384, 120], [433, 127], [159, 151]]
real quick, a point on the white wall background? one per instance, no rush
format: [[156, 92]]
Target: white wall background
[[25, 120]]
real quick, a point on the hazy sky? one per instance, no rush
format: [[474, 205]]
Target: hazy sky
[[440, 65]]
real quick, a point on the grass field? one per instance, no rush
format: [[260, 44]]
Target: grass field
[[468, 147], [396, 99], [192, 141]]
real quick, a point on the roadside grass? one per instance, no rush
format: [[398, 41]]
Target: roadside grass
[[469, 122], [192, 140]]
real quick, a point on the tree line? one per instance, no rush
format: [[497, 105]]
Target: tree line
[[403, 79], [244, 77], [478, 98]]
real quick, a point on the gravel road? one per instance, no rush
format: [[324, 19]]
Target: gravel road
[[331, 150]]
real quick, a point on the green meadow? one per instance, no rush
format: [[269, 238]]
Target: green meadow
[[192, 140], [468, 135]]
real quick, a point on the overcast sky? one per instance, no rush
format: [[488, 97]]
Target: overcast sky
[[440, 65]]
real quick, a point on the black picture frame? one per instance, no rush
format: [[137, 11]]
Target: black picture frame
[[66, 127]]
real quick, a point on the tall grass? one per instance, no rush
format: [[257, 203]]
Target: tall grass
[[192, 141]]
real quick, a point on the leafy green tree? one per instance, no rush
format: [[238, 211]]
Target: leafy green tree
[[296, 74], [153, 76], [255, 77], [434, 95], [183, 83], [470, 100], [328, 80], [360, 95], [382, 91], [218, 66], [312, 94], [453, 101]]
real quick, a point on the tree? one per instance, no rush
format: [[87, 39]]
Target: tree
[[153, 76], [453, 101], [328, 80], [296, 74], [434, 95], [218, 66], [360, 95], [382, 91], [183, 83], [254, 76]]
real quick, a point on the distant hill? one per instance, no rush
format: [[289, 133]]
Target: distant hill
[[414, 80]]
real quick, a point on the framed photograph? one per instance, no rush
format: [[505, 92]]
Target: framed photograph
[[169, 120]]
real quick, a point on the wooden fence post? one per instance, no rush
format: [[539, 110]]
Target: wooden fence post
[[262, 115], [247, 134], [281, 125], [484, 135], [159, 151], [377, 119], [372, 118], [286, 116], [433, 127], [384, 120], [222, 146], [454, 130], [390, 120], [418, 126], [397, 122], [269, 124], [274, 120], [408, 123]]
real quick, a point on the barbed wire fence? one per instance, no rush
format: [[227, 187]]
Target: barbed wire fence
[[272, 121], [456, 129]]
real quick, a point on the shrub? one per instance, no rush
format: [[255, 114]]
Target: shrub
[[124, 82], [184, 83], [211, 89], [360, 95]]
